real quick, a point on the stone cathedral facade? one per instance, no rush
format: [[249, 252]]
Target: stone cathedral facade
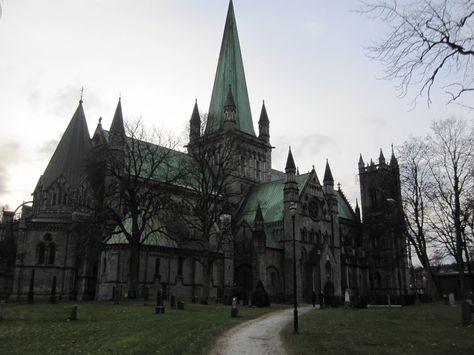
[[339, 250]]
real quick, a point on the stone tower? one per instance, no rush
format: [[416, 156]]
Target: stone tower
[[383, 225]]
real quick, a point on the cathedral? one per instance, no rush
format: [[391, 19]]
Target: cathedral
[[280, 219]]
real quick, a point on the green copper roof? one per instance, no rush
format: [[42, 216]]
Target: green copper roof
[[71, 154], [230, 72], [344, 210], [152, 235], [270, 197]]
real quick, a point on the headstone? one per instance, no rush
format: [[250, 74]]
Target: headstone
[[347, 298], [159, 308], [2, 312], [234, 311], [452, 300], [180, 305], [52, 297], [73, 315], [173, 301]]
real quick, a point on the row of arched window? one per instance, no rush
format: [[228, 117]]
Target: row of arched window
[[311, 236]]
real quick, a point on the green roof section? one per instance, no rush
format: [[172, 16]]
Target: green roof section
[[270, 197], [277, 175], [70, 157], [153, 235], [344, 210], [230, 73]]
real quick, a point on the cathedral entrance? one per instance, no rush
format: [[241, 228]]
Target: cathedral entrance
[[329, 293]]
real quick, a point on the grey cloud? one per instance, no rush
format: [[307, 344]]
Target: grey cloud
[[10, 154]]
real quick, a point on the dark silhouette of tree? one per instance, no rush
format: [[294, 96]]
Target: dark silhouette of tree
[[211, 184], [417, 185], [138, 180], [451, 163], [427, 41]]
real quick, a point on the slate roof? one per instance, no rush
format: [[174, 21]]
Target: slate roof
[[230, 72], [71, 154]]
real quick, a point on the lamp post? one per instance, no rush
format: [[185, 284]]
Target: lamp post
[[293, 208]]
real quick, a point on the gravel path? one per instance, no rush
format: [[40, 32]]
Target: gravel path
[[258, 336]]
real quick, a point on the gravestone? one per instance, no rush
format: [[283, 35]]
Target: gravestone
[[180, 305], [234, 311], [173, 301], [52, 296], [452, 300], [2, 312], [159, 308], [347, 298], [73, 315]]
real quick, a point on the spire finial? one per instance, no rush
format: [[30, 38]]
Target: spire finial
[[100, 120], [82, 94]]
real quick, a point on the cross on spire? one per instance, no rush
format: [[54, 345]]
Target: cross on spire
[[82, 94]]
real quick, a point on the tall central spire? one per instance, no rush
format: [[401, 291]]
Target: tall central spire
[[230, 73]]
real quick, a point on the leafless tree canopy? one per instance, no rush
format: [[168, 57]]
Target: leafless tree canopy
[[429, 42], [438, 191]]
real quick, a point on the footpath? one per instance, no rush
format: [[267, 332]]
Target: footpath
[[258, 336]]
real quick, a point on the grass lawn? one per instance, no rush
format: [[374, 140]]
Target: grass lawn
[[425, 329], [128, 328]]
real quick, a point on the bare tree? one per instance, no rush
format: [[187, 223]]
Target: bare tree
[[211, 183], [138, 178], [451, 163], [427, 41], [416, 183]]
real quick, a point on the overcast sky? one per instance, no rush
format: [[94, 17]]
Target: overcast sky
[[305, 58]]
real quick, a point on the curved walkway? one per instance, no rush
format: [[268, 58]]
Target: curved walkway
[[258, 336]]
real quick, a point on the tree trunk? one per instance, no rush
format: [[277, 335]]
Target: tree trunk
[[435, 289], [134, 270]]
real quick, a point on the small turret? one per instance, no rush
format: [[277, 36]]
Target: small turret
[[117, 129], [361, 163], [357, 210], [258, 222], [98, 138], [195, 124], [264, 125], [381, 158], [229, 111], [393, 160], [328, 180], [290, 168], [290, 191]]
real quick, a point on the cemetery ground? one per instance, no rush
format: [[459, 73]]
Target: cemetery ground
[[126, 328], [424, 329]]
